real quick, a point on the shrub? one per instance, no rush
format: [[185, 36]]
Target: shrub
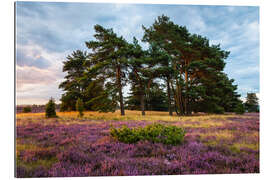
[[79, 107], [50, 109], [156, 133], [240, 109], [27, 109]]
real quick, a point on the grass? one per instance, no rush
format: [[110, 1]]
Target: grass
[[152, 116], [220, 135]]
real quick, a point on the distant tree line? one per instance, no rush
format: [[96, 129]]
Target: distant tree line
[[179, 72], [33, 108]]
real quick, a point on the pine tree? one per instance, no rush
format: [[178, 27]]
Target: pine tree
[[193, 68], [110, 62], [50, 109], [160, 37], [164, 71], [142, 72], [251, 103], [73, 86], [190, 69], [172, 39], [80, 83]]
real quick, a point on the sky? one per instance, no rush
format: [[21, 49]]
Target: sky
[[46, 33]]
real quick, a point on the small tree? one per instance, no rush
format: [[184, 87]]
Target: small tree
[[79, 107], [27, 109], [252, 103], [50, 109]]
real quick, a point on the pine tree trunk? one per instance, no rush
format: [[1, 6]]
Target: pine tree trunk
[[142, 104], [169, 97], [121, 102], [179, 98], [118, 74], [186, 83], [176, 109]]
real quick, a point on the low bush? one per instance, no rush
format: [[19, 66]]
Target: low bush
[[157, 133]]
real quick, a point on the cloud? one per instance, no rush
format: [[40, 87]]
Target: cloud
[[47, 32], [39, 84], [39, 95], [23, 59], [34, 76]]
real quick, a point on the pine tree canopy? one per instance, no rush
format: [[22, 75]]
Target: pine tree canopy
[[179, 72]]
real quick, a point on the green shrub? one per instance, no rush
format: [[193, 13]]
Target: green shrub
[[50, 109], [157, 133], [79, 107], [27, 109], [240, 109]]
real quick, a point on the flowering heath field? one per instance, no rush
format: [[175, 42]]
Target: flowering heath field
[[70, 146]]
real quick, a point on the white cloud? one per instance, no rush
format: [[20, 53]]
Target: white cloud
[[33, 76], [39, 84], [33, 83]]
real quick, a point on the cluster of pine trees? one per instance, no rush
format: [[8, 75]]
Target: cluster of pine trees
[[179, 72]]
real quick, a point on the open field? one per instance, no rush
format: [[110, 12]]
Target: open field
[[72, 146]]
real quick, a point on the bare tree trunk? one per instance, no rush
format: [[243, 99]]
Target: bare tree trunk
[[142, 104], [121, 102], [177, 99], [169, 97], [186, 81], [120, 91]]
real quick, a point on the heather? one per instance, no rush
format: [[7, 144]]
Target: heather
[[73, 146]]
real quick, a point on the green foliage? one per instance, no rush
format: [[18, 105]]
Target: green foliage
[[79, 107], [109, 58], [185, 65], [240, 109], [218, 110], [156, 99], [191, 67], [251, 103], [82, 83], [156, 133], [27, 109], [50, 109], [73, 86], [97, 98]]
